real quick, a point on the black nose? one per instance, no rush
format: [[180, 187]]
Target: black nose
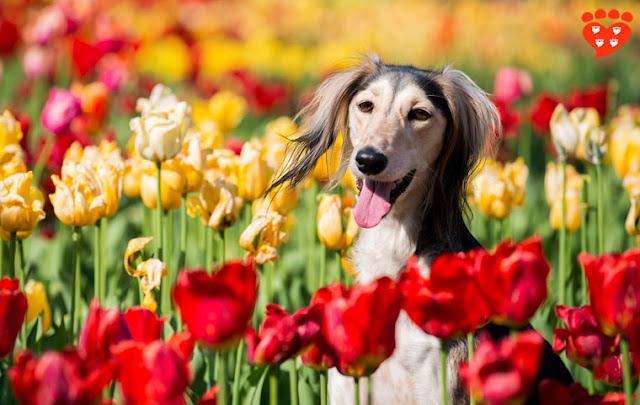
[[370, 162]]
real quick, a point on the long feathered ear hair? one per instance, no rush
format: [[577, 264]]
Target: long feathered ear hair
[[473, 119], [321, 122]]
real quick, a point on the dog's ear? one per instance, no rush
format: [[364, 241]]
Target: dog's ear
[[321, 120], [474, 118]]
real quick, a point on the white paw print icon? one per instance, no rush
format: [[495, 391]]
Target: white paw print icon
[[616, 30], [613, 42], [599, 42], [595, 29]]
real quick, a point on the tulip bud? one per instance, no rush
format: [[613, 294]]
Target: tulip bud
[[252, 171], [573, 196], [21, 205], [13, 307], [218, 205], [331, 217], [37, 304], [511, 84], [161, 99], [159, 134], [563, 131]]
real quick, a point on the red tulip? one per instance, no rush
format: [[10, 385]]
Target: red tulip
[[513, 281], [585, 343], [321, 356], [552, 392], [614, 289], [359, 324], [59, 110], [509, 120], [13, 308], [210, 397], [9, 36], [541, 111], [448, 304], [504, 372], [511, 84], [594, 97], [58, 378], [217, 307], [153, 373], [103, 329], [283, 336], [610, 372], [143, 324]]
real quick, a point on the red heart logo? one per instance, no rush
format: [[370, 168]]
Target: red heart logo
[[606, 40]]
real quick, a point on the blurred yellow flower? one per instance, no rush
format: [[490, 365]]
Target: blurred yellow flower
[[573, 196], [336, 226], [497, 189], [10, 130], [150, 271], [253, 173], [275, 140], [282, 200], [37, 304], [631, 184], [329, 163], [21, 206], [218, 116], [218, 204], [563, 131], [134, 169], [263, 236], [624, 142], [578, 131], [78, 199], [167, 58]]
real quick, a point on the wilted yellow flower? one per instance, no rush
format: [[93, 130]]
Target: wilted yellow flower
[[167, 58], [10, 130], [218, 204], [624, 141], [263, 236], [329, 163], [78, 199], [149, 271], [37, 304], [21, 206], [252, 171], [336, 226], [221, 163], [631, 183], [573, 196], [497, 189]]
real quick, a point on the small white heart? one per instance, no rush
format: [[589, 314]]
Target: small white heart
[[613, 42], [616, 30], [599, 42], [595, 29]]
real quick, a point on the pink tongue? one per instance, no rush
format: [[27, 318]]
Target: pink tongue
[[373, 203]]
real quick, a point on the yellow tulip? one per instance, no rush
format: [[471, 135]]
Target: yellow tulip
[[167, 58], [493, 188], [78, 199], [263, 236], [252, 171], [347, 263], [150, 271], [12, 161], [573, 196], [37, 304], [134, 169], [329, 163], [21, 206], [218, 204], [282, 200], [624, 141], [227, 109], [184, 172], [631, 183], [517, 173], [331, 217], [563, 131], [10, 130], [275, 140], [578, 131], [221, 163], [171, 182]]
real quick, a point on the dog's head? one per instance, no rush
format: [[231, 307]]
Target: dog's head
[[409, 135]]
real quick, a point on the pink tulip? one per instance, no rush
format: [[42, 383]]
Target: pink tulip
[[61, 108], [38, 62], [511, 84]]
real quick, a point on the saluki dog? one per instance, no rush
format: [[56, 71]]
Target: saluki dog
[[411, 137]]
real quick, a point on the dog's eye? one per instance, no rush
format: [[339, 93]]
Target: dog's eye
[[366, 106], [419, 114]]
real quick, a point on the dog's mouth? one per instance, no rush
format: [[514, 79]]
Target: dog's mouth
[[376, 198]]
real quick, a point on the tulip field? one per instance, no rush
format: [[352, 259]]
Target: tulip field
[[145, 260]]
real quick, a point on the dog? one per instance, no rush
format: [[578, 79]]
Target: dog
[[412, 138]]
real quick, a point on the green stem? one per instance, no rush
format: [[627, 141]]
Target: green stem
[[323, 387], [204, 245], [183, 233], [160, 233], [583, 238], [471, 345], [96, 262], [626, 371], [338, 268], [563, 237], [209, 250], [443, 369], [323, 265], [75, 297], [268, 273], [43, 159], [293, 381], [600, 208], [369, 391], [12, 256], [591, 383], [235, 393], [23, 262], [221, 249], [223, 397], [273, 384], [165, 298], [103, 259], [2, 269]]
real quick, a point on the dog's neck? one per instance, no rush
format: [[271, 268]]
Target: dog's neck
[[407, 229]]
